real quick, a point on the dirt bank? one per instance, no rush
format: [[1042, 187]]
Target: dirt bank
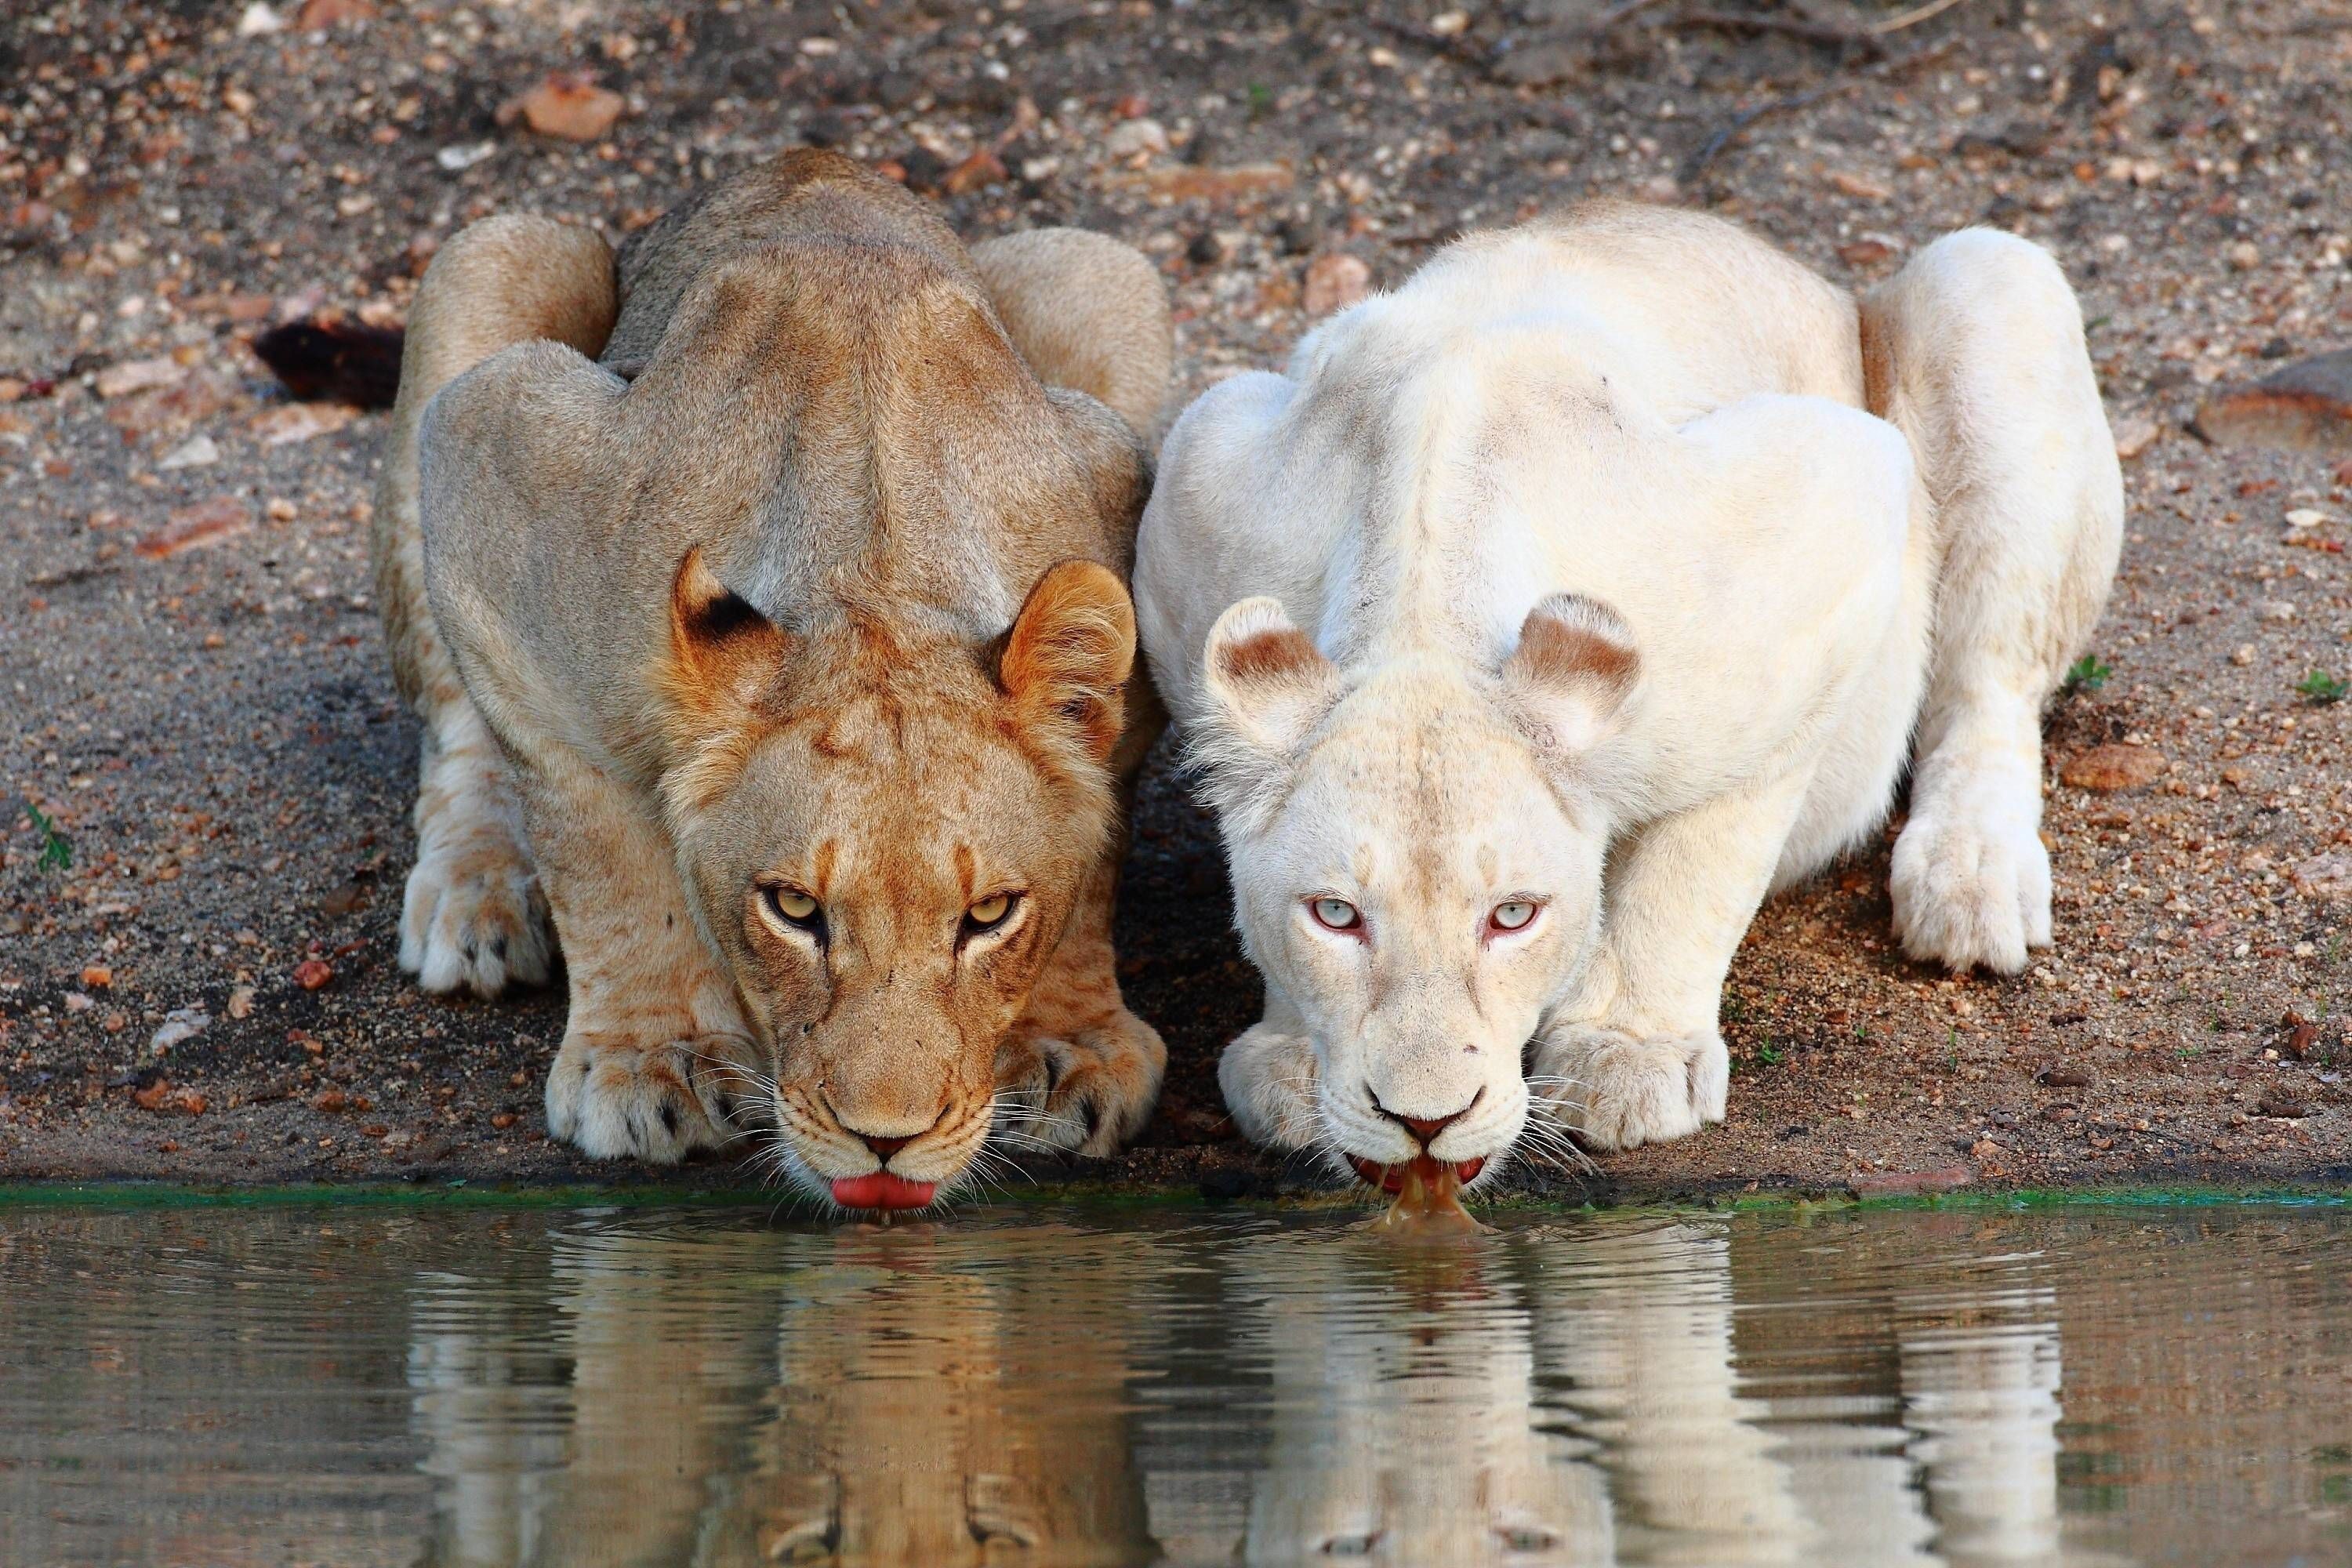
[[197, 704]]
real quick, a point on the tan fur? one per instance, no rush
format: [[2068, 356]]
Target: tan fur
[[812, 587]]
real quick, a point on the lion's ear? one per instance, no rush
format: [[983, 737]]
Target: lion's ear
[[1267, 686], [1573, 672], [1067, 658], [722, 653]]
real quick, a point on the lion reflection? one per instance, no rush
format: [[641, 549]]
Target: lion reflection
[[921, 1396], [1599, 1392]]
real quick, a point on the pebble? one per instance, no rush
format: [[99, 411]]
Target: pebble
[[138, 375], [2304, 407], [1131, 138], [2134, 436], [180, 1026], [197, 452], [2323, 876], [2105, 769], [313, 974], [1900, 1184], [2066, 1075], [197, 523], [568, 105]]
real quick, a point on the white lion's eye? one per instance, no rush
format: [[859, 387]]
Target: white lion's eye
[[1337, 914], [1512, 916]]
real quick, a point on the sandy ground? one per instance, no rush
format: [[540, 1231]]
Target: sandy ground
[[197, 702]]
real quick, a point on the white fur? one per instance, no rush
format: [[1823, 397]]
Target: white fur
[[1657, 416]]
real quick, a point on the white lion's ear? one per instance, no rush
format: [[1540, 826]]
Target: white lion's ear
[[1572, 673], [1268, 687]]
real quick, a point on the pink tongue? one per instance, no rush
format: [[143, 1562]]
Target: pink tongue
[[881, 1190]]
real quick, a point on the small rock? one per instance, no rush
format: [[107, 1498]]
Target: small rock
[[458, 157], [2277, 1103], [504, 1120], [1899, 1184], [1206, 249], [2245, 256], [240, 1002], [98, 976], [318, 15], [259, 20], [197, 451], [1131, 138], [1335, 281], [138, 375], [294, 422], [78, 1002], [568, 105], [2301, 1041], [165, 1099], [331, 1101], [197, 523], [2306, 517], [2105, 769], [2065, 1075], [1859, 187], [2323, 876], [180, 1026], [2134, 436], [1865, 252], [2276, 610], [312, 973], [2305, 407], [2243, 655]]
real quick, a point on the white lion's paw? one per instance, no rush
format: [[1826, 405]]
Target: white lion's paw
[[1614, 1092], [1089, 1094], [1970, 892], [474, 920], [1268, 1082], [621, 1099]]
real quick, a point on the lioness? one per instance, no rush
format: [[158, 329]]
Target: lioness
[[786, 647], [1553, 610]]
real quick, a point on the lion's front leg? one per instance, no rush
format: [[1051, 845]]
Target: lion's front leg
[[1635, 1056], [1269, 1077], [1084, 1070], [656, 1061], [473, 917]]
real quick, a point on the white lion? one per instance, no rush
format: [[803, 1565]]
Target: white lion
[[1553, 610]]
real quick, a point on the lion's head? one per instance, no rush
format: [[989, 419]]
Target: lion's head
[[1417, 862], [884, 838]]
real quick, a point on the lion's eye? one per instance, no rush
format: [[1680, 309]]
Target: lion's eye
[[987, 914], [1513, 916], [1336, 914], [796, 908]]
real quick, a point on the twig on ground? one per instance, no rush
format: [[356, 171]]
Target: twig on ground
[[1693, 165], [1910, 19]]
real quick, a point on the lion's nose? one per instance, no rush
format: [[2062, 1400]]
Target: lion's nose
[[1425, 1129], [883, 1147]]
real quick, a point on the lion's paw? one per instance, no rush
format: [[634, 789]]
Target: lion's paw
[[1970, 892], [623, 1099], [474, 920], [1615, 1091], [1091, 1093], [1268, 1081]]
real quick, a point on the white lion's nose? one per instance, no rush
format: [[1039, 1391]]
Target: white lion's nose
[[1425, 1128]]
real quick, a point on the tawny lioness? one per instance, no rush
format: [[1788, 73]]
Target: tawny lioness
[[785, 649], [1554, 609]]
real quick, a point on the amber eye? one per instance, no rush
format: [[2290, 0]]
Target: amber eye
[[1512, 915], [1336, 914], [988, 914], [795, 909]]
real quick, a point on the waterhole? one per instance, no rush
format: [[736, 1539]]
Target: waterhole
[[366, 1385]]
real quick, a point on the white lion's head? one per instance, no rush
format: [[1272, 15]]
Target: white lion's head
[[1417, 857]]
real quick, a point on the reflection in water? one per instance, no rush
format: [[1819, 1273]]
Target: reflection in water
[[479, 1389]]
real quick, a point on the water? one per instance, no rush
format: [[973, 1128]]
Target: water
[[280, 1384]]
